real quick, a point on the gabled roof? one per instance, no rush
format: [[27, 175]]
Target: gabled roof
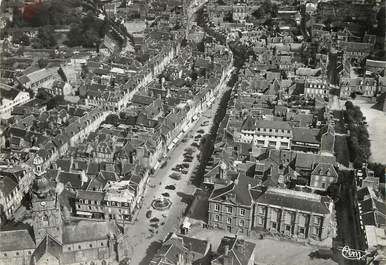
[[48, 246], [179, 245], [323, 169], [373, 212], [240, 251], [236, 192]]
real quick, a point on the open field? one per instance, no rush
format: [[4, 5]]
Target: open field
[[376, 120]]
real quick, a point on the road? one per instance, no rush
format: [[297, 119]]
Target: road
[[138, 236], [349, 231]]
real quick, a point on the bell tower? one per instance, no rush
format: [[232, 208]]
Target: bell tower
[[46, 214]]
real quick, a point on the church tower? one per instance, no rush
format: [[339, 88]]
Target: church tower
[[46, 214]]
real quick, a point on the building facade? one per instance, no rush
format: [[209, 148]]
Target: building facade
[[238, 208]]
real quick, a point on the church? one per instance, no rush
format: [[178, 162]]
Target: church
[[51, 241]]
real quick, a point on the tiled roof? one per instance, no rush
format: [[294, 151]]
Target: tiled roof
[[306, 135], [295, 200], [323, 169], [304, 160], [91, 195], [16, 240], [48, 245], [84, 231], [240, 251]]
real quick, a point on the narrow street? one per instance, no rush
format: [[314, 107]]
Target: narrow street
[[141, 240], [349, 231]]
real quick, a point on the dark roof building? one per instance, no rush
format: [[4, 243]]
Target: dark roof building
[[234, 250]]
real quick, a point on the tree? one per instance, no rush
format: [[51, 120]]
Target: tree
[[349, 105], [88, 32], [21, 38], [379, 170], [45, 38], [112, 119], [42, 63]]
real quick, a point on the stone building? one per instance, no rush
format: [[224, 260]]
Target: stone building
[[244, 206], [51, 242]]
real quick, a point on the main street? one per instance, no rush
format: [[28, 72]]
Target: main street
[[139, 235]]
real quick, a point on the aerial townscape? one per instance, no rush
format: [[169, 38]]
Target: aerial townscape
[[192, 132]]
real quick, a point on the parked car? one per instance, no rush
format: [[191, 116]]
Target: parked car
[[164, 164], [186, 165], [175, 176], [184, 171], [176, 169], [200, 131], [188, 160]]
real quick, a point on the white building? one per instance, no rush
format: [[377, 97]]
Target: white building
[[9, 98], [264, 133]]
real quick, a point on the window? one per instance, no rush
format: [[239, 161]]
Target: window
[[102, 244], [241, 223], [274, 225], [288, 228], [242, 212], [316, 220], [216, 217], [261, 210], [229, 220], [69, 248], [315, 231], [79, 247], [301, 230], [229, 209], [323, 185], [90, 245], [216, 207], [17, 253], [260, 142], [260, 220]]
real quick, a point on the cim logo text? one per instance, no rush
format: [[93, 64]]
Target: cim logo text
[[353, 254]]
